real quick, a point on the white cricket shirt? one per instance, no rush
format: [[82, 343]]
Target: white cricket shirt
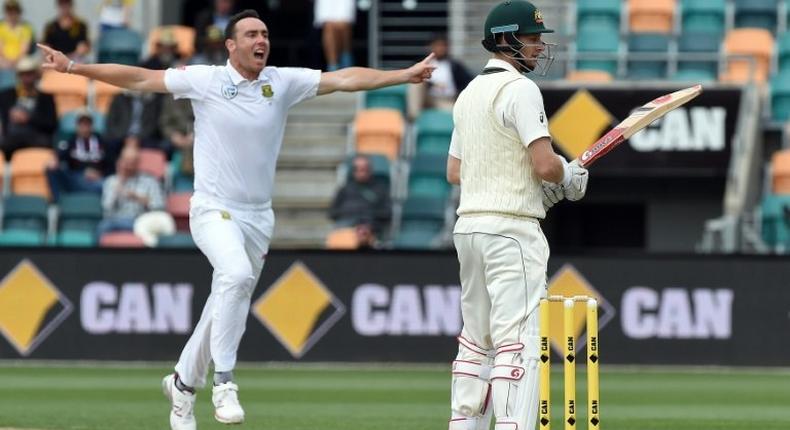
[[239, 124]]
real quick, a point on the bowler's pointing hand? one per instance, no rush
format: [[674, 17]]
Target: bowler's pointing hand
[[54, 59], [422, 71]]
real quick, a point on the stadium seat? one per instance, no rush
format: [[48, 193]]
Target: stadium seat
[[783, 51], [780, 97], [704, 16], [180, 182], [121, 239], [153, 162], [380, 165], [756, 14], [434, 130], [755, 42], [601, 11], [67, 125], [415, 238], [22, 212], [69, 91], [21, 238], [651, 16], [76, 239], [780, 172], [428, 176], [598, 41], [589, 76], [342, 238], [387, 98], [690, 45], [28, 171], [79, 212], [422, 219], [178, 240], [103, 95], [121, 46], [185, 37], [178, 207], [775, 226], [379, 131], [7, 79], [648, 43]]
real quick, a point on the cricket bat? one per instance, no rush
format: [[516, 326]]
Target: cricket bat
[[639, 119]]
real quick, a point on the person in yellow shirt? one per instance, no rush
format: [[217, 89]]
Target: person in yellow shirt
[[15, 35]]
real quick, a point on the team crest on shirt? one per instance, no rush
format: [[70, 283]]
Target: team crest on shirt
[[266, 90], [229, 91]]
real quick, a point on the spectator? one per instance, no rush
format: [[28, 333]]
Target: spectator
[[133, 119], [67, 33], [115, 14], [336, 18], [213, 51], [177, 125], [165, 53], [16, 35], [218, 16], [128, 194], [366, 238], [447, 81], [362, 200], [28, 114], [84, 161]]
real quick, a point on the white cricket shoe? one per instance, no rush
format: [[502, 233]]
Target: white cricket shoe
[[226, 401], [183, 405]]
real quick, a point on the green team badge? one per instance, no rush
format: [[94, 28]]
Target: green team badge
[[266, 90]]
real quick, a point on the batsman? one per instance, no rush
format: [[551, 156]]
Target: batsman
[[501, 156]]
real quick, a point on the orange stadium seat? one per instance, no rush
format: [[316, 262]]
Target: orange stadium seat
[[121, 239], [178, 207], [103, 94], [589, 76], [70, 91], [28, 171], [651, 16], [342, 238], [153, 162], [780, 172], [755, 42], [185, 37], [379, 131]]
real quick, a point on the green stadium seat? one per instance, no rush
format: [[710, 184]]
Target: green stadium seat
[[120, 46], [434, 131], [706, 16], [756, 14], [25, 213], [180, 182], [178, 240], [423, 213], [780, 96], [428, 176], [67, 126], [388, 97], [14, 237], [379, 163], [652, 43], [598, 39], [691, 44], [7, 79], [79, 212], [775, 226], [76, 238], [601, 11], [783, 51], [416, 238]]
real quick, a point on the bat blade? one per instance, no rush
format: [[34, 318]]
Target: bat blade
[[638, 120]]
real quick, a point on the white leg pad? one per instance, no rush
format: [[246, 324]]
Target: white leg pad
[[471, 391], [514, 382]]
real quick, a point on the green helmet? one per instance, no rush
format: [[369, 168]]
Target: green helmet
[[512, 16]]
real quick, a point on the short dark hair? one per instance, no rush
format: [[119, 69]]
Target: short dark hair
[[231, 27]]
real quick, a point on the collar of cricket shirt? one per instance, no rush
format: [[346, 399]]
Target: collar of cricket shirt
[[236, 78], [497, 63]]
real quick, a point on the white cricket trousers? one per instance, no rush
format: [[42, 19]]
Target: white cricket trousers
[[503, 277], [235, 237]]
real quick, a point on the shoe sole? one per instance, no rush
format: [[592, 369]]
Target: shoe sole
[[224, 421]]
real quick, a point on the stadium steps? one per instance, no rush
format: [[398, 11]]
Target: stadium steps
[[314, 145]]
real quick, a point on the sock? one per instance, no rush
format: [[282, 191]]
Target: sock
[[223, 377], [183, 387]]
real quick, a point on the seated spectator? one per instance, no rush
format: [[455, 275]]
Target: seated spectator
[[133, 119], [67, 33], [83, 161], [213, 51], [366, 238], [16, 35], [165, 53], [128, 194], [115, 14], [177, 124], [447, 81], [28, 115], [216, 16], [363, 199]]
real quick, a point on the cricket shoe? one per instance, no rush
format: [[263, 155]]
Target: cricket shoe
[[183, 405], [226, 403]]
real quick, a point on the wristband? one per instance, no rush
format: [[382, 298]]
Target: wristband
[[68, 68]]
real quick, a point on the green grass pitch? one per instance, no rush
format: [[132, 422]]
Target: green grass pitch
[[382, 398]]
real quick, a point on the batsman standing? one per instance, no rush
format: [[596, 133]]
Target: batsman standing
[[501, 156], [240, 114]]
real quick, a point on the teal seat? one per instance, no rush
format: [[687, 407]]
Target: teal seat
[[780, 96], [388, 97], [7, 79], [181, 183], [756, 14], [775, 227], [650, 43], [423, 213], [783, 51], [25, 213], [121, 46], [428, 176], [76, 238], [704, 16], [695, 75], [380, 165], [178, 240], [599, 10], [689, 45], [416, 238], [434, 131], [79, 211], [598, 40], [67, 126], [14, 237]]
